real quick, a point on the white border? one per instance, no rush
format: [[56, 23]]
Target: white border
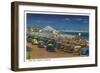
[[57, 61]]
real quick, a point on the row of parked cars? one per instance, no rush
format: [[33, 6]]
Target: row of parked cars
[[53, 45]]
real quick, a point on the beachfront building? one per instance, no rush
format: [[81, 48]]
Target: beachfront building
[[50, 29]]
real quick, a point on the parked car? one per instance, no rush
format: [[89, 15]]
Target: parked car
[[41, 44], [45, 40], [50, 48], [35, 41], [29, 38], [51, 45], [71, 48], [58, 46], [77, 50], [85, 51]]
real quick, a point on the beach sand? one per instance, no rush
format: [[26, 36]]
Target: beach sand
[[38, 53]]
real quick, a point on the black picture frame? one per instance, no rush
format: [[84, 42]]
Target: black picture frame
[[15, 33]]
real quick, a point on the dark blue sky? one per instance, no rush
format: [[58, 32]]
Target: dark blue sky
[[62, 22]]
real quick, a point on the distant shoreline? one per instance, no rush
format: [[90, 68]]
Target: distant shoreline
[[66, 30], [74, 31]]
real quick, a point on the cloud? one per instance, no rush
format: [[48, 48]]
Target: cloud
[[79, 19], [67, 19], [85, 21]]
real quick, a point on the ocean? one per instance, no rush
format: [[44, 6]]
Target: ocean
[[83, 35]]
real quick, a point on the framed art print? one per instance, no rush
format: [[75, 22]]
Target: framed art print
[[52, 36]]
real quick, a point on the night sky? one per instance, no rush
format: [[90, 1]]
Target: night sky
[[60, 22]]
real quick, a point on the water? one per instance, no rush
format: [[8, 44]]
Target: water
[[84, 35]]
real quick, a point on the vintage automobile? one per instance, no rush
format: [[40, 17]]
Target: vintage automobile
[[35, 41], [51, 45], [77, 50], [45, 40], [29, 38], [58, 46], [41, 44], [71, 48], [85, 51], [66, 46], [50, 48]]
